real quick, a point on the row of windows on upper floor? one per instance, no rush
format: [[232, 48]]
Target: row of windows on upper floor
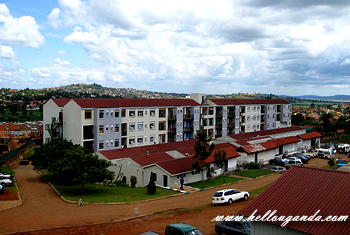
[[132, 141], [162, 111]]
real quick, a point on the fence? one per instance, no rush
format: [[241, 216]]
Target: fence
[[14, 154]]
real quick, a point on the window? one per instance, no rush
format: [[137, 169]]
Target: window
[[152, 125], [116, 114], [88, 114], [132, 127], [116, 128], [154, 176], [140, 126], [101, 145], [151, 139], [140, 113], [116, 143], [107, 128], [140, 140], [131, 113], [161, 126], [211, 110], [162, 113], [132, 140], [101, 114], [101, 129], [123, 112], [152, 113]]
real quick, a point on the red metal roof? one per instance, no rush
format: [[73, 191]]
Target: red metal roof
[[114, 103], [247, 101], [61, 102], [138, 151], [231, 153], [303, 191], [257, 134], [310, 135], [259, 147], [177, 166], [286, 140], [152, 158]]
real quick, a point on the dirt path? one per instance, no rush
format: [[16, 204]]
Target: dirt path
[[43, 209]]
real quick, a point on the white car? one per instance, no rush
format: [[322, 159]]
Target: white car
[[229, 196], [277, 168], [1, 189], [5, 182], [6, 176]]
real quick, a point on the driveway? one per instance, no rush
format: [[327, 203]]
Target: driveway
[[43, 209]]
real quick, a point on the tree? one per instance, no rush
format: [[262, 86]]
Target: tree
[[133, 181], [69, 162], [151, 187], [332, 163], [203, 149], [220, 159]]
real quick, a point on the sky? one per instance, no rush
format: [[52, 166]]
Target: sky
[[290, 47]]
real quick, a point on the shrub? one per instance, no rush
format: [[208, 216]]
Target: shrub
[[151, 187], [133, 180]]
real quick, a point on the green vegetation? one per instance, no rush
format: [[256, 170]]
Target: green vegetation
[[68, 162], [7, 170], [20, 116], [256, 192], [253, 173], [97, 193], [215, 182]]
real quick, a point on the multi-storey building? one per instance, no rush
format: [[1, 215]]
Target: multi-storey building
[[106, 124]]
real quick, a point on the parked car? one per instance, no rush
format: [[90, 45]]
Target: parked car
[[277, 168], [5, 181], [293, 163], [233, 227], [182, 229], [339, 160], [1, 189], [6, 176], [302, 158], [229, 196], [302, 154], [278, 161], [324, 153]]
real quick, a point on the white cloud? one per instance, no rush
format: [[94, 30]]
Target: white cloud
[[63, 52], [59, 62], [6, 52], [81, 38], [22, 31]]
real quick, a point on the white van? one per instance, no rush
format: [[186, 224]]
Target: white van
[[324, 153], [343, 148]]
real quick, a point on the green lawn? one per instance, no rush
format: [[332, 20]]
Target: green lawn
[[214, 182], [103, 194], [253, 173]]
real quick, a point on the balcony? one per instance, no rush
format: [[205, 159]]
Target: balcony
[[188, 117], [88, 136], [188, 129], [171, 117], [172, 130]]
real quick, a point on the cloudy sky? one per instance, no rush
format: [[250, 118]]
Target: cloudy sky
[[289, 47]]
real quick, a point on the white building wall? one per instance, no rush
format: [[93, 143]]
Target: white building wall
[[73, 117], [50, 110]]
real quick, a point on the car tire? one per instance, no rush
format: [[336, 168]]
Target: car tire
[[246, 197], [230, 202]]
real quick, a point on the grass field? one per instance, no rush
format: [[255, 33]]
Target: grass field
[[214, 182]]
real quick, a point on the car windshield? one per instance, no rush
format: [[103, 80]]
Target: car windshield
[[194, 232], [247, 225], [218, 194]]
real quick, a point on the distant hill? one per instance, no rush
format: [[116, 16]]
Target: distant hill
[[316, 97]]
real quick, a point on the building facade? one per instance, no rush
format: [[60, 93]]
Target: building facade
[[107, 124]]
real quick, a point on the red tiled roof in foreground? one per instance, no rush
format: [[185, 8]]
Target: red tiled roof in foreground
[[303, 191], [310, 135]]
